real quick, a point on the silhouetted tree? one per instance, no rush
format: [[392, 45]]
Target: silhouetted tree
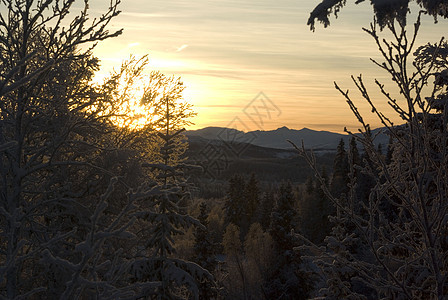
[[284, 220], [165, 216], [371, 255], [54, 189], [235, 202], [259, 250], [204, 254], [316, 210], [251, 192], [287, 281], [355, 158], [389, 151], [386, 12], [309, 185], [266, 206], [233, 249], [339, 179]]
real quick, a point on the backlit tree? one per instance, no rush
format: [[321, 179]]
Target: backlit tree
[[402, 255]]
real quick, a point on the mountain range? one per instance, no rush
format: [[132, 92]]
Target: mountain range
[[278, 138]]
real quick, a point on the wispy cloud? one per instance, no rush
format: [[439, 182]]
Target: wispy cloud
[[132, 45], [181, 48], [142, 15], [238, 48]]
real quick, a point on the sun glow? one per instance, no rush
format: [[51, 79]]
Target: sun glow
[[132, 113], [139, 99], [127, 110]]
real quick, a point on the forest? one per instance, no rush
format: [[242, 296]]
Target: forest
[[98, 198]]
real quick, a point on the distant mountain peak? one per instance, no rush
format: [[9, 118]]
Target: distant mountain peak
[[277, 138]]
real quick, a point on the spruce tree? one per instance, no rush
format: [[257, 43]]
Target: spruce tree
[[233, 249], [339, 179], [389, 151], [366, 179], [266, 206], [309, 185], [166, 219], [308, 208], [259, 254], [56, 227], [286, 281], [355, 159], [235, 204], [401, 257], [251, 192], [284, 220], [204, 253], [318, 209]]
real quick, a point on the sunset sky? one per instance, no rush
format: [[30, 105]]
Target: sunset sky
[[228, 51]]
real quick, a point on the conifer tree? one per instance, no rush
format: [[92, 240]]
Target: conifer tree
[[284, 220], [55, 193], [266, 206], [309, 185], [235, 205], [308, 209], [165, 218], [324, 183], [233, 249], [389, 151], [204, 248], [204, 254], [319, 210], [339, 180], [251, 192], [365, 180], [259, 250], [287, 281], [355, 159], [400, 257], [386, 12]]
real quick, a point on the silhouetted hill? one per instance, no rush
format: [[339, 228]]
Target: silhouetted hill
[[214, 133], [312, 139], [220, 160], [278, 138], [223, 152]]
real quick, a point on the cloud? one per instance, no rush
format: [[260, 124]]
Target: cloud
[[132, 45], [183, 47], [142, 15], [215, 73]]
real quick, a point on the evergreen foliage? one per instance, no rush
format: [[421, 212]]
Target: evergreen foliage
[[204, 248], [354, 162], [284, 220], [251, 194], [309, 185], [204, 253], [258, 247], [386, 12], [266, 206], [315, 209], [72, 182], [58, 229], [339, 180], [391, 243], [166, 219], [389, 151], [286, 281], [235, 202], [233, 249]]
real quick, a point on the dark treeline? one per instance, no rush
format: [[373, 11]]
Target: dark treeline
[[270, 218]]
